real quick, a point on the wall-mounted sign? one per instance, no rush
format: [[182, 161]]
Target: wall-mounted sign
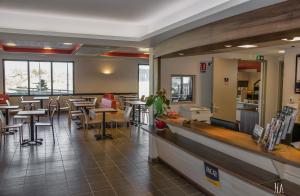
[[203, 67], [212, 174]]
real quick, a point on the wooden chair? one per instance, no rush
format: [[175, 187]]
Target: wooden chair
[[72, 114], [88, 121], [46, 124], [5, 127], [123, 117]]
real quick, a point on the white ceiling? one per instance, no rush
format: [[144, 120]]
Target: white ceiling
[[121, 20]]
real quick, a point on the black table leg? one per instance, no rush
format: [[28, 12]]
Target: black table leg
[[133, 114], [42, 104], [32, 141], [104, 135], [139, 120]]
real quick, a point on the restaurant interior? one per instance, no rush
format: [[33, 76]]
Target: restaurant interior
[[185, 98]]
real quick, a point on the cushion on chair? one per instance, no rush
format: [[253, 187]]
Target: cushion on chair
[[108, 103]]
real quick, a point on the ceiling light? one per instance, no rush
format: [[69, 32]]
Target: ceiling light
[[247, 46], [143, 49], [147, 53], [281, 51], [68, 44], [47, 48], [180, 53], [294, 39], [228, 46], [11, 44]]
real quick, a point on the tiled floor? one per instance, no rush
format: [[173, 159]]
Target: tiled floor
[[80, 165]]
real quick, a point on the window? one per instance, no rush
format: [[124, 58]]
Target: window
[[62, 77], [182, 88], [144, 75], [38, 77]]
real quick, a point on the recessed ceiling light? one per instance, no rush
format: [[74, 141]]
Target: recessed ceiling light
[[247, 46], [11, 44], [68, 44], [143, 49], [228, 46], [180, 53], [47, 48], [294, 39], [281, 51]]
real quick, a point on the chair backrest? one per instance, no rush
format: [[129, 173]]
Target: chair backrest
[[50, 104], [95, 101], [224, 124], [52, 115], [2, 119], [127, 112], [68, 106]]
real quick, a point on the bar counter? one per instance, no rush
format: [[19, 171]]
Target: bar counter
[[282, 153], [245, 168]]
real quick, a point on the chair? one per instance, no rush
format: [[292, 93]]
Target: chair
[[123, 118], [72, 114], [87, 121], [224, 124], [46, 124], [5, 127], [94, 103]]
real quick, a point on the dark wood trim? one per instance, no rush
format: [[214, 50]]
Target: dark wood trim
[[296, 69], [158, 73], [79, 94]]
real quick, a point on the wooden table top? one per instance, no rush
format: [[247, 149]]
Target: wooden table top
[[282, 153], [9, 106], [30, 101], [41, 98], [99, 110], [83, 104], [136, 102], [32, 112], [76, 99]]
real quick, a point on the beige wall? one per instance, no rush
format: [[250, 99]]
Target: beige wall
[[88, 76], [272, 88], [188, 66], [289, 76]]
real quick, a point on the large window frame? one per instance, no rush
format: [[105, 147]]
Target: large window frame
[[192, 89], [28, 75]]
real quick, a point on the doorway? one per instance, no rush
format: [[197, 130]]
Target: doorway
[[143, 80]]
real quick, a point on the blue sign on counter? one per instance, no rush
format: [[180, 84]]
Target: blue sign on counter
[[212, 174]]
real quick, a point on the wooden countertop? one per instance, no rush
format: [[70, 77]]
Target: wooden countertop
[[282, 153]]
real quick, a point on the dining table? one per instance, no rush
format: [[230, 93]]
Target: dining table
[[32, 113], [29, 102], [41, 99], [103, 136], [139, 105]]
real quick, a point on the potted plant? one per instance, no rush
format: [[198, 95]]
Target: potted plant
[[160, 104]]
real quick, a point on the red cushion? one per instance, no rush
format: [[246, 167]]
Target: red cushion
[[109, 96], [3, 98], [108, 103]]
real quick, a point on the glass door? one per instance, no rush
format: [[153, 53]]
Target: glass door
[[144, 80]]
